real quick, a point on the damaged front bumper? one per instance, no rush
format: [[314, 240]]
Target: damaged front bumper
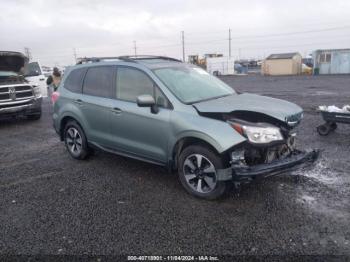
[[239, 172]]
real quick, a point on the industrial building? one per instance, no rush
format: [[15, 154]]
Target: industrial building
[[282, 64], [331, 61]]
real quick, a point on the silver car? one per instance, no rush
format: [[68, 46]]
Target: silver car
[[163, 111]]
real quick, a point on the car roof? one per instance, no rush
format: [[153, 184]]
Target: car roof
[[150, 62]]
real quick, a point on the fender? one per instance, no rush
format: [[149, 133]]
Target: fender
[[70, 110]]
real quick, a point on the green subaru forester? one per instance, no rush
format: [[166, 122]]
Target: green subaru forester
[[161, 110]]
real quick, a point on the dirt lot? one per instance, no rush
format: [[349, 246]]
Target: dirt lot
[[52, 204]]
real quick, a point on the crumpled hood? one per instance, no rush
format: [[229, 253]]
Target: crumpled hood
[[277, 108], [12, 61]]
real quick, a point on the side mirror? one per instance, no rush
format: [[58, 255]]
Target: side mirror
[[147, 101]]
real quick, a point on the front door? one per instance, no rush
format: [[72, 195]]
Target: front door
[[136, 130]]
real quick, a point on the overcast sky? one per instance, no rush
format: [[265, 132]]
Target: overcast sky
[[51, 29]]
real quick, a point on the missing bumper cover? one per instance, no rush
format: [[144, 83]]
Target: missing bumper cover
[[294, 160]]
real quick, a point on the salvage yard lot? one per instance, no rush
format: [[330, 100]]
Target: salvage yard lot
[[109, 205]]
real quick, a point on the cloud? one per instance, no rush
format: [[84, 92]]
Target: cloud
[[105, 27]]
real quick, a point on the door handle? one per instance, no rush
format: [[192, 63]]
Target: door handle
[[78, 102], [116, 110]]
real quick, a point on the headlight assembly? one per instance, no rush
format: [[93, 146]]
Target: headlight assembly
[[259, 134], [37, 92]]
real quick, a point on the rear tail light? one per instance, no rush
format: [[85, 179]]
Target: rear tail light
[[54, 97]]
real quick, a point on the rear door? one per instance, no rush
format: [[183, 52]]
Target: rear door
[[96, 103], [136, 130]]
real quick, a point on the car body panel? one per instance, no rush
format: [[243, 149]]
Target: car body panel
[[97, 112], [12, 61], [138, 130], [276, 108], [219, 134]]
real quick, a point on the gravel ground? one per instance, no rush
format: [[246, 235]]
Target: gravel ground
[[109, 205]]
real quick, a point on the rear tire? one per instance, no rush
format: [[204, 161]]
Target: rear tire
[[75, 140], [197, 170], [334, 126]]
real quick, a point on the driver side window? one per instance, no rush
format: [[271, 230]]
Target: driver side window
[[132, 83]]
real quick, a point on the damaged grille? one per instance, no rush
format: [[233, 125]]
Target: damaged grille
[[15, 93]]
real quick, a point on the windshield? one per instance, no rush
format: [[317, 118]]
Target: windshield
[[33, 69], [192, 84]]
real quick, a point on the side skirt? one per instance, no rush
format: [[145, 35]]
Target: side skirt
[[122, 153]]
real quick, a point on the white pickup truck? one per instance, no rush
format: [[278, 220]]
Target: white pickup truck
[[17, 96], [35, 75]]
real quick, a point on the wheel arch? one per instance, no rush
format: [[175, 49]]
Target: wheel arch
[[186, 141], [63, 123]]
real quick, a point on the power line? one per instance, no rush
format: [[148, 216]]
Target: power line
[[294, 33], [242, 38]]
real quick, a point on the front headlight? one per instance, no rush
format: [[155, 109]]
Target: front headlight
[[36, 90], [259, 135]]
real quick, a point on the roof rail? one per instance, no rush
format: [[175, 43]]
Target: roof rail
[[145, 57], [82, 60]]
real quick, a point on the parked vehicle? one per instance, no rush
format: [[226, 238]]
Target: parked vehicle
[[47, 71], [17, 96], [166, 112], [220, 66], [333, 115], [36, 76]]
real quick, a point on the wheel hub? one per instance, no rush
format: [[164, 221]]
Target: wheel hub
[[200, 173], [74, 141]]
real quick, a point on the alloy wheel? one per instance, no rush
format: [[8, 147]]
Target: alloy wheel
[[74, 141], [200, 173]]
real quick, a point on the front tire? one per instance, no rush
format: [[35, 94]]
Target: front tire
[[197, 172], [75, 140]]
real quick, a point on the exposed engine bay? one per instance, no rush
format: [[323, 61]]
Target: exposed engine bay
[[250, 153], [263, 155]]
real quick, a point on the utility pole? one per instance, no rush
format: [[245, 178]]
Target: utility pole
[[229, 43], [183, 45], [135, 48], [75, 54], [28, 53]]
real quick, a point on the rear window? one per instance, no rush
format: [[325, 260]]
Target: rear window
[[99, 81], [74, 81]]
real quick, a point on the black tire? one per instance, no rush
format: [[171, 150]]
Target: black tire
[[75, 140], [209, 190], [333, 126], [324, 129]]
